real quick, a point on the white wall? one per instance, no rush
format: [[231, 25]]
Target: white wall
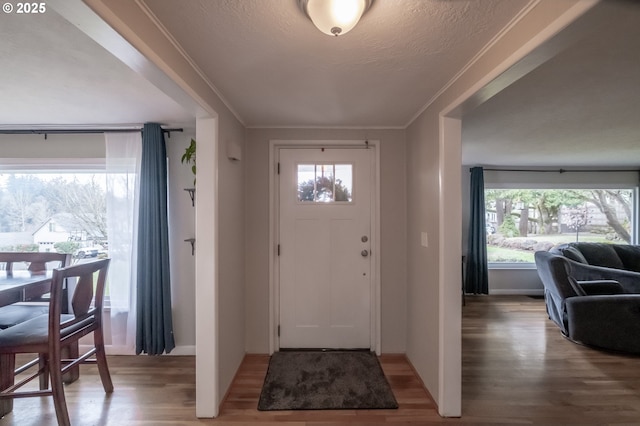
[[422, 269], [231, 251], [220, 271], [392, 224], [523, 281], [501, 179], [55, 146], [181, 227]]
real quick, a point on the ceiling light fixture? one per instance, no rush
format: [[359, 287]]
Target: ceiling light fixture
[[335, 17]]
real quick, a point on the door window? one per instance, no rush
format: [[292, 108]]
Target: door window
[[325, 183]]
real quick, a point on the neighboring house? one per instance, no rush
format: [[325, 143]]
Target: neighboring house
[[55, 230]]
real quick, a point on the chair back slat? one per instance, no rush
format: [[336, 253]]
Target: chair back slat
[[83, 295], [37, 261]]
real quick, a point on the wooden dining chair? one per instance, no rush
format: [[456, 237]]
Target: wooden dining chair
[[48, 334], [37, 303], [37, 261]]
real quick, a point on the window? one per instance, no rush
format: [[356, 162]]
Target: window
[[325, 183], [49, 210], [88, 199], [522, 221]]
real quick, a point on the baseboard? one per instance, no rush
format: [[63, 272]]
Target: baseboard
[[186, 350], [517, 292], [183, 350]]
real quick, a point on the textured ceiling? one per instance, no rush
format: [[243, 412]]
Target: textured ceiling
[[53, 74], [274, 68], [579, 109]]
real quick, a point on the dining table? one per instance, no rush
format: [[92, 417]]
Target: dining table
[[22, 286]]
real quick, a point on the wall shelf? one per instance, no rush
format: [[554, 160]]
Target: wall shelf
[[192, 195], [193, 245]]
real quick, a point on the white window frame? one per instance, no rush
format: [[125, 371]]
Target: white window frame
[[55, 165], [548, 179]]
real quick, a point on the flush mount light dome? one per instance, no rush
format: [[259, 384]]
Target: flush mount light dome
[[335, 17]]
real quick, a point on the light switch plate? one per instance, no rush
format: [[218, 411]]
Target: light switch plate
[[424, 239]]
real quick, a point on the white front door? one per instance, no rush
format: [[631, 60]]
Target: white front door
[[325, 242]]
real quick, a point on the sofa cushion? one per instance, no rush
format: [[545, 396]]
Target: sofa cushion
[[574, 254], [629, 255], [600, 254]]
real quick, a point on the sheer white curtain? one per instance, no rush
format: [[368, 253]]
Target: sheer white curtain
[[123, 154]]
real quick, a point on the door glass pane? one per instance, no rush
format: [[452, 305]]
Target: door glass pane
[[306, 182], [325, 183], [344, 182]]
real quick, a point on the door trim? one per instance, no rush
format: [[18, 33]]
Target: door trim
[[274, 204]]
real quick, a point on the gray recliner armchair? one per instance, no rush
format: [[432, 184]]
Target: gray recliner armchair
[[597, 313]]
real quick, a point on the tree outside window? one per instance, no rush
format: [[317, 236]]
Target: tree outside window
[[63, 212], [522, 221]]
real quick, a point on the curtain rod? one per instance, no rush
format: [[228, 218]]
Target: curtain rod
[[46, 132], [562, 170]]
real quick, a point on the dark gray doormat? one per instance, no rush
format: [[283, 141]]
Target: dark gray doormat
[[319, 380]]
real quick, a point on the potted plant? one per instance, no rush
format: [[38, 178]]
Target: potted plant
[[190, 156]]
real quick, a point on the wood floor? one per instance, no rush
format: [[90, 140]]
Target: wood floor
[[517, 369]]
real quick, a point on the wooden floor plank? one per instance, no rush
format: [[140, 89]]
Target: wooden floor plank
[[516, 370]]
